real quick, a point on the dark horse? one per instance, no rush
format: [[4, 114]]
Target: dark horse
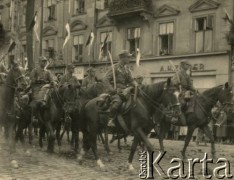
[[61, 100], [138, 119], [203, 103], [15, 81]]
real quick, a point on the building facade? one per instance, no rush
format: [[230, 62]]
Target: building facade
[[163, 30]]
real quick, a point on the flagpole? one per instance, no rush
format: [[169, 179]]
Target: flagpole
[[41, 25], [113, 69], [94, 28]]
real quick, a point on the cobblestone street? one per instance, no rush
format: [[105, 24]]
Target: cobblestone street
[[38, 164]]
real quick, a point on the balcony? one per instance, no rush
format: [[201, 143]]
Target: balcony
[[120, 9]]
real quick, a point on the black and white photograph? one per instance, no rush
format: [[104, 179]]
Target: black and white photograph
[[116, 89]]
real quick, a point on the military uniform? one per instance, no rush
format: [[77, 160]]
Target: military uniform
[[183, 79], [69, 79], [40, 79], [123, 78], [3, 73], [90, 80], [70, 95]]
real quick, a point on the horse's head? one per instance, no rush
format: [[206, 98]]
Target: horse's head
[[170, 98], [226, 96], [16, 78]]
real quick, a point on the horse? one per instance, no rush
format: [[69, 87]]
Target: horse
[[15, 81], [201, 115], [137, 120]]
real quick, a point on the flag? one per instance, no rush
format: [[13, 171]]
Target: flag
[[69, 6], [138, 57], [227, 16], [100, 4], [36, 28], [68, 34], [11, 47], [103, 46], [90, 41], [11, 8], [32, 24]]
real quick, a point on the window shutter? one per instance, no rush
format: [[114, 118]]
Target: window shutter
[[81, 39], [162, 29], [210, 20], [76, 40], [170, 28]]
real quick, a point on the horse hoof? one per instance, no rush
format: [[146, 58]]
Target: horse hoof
[[80, 160], [120, 151], [14, 164], [100, 164], [28, 153], [110, 153], [103, 168]]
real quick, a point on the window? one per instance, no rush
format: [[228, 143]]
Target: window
[[133, 39], [49, 48], [79, 6], [106, 4], [23, 19], [107, 47], [77, 50], [166, 32], [51, 10], [203, 29]]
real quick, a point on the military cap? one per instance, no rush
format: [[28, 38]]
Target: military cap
[[185, 62], [70, 66], [124, 53], [139, 77], [42, 58], [90, 69]]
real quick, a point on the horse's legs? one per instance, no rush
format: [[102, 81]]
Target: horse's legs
[[119, 144], [50, 147], [41, 132], [30, 133], [132, 152], [145, 139], [161, 136], [187, 140], [209, 134], [58, 129], [106, 141]]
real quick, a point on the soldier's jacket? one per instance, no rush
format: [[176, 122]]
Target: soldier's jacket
[[123, 77], [69, 79], [3, 72], [40, 74], [88, 81], [184, 79]]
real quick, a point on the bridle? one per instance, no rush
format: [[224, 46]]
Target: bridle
[[155, 104], [16, 82]]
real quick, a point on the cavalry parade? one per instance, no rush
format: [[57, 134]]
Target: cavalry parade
[[46, 112]]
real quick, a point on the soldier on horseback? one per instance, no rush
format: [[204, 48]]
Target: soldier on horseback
[[68, 78], [90, 79], [123, 80], [41, 80], [183, 80]]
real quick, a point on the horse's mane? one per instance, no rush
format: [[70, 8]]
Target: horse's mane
[[153, 90], [212, 91]]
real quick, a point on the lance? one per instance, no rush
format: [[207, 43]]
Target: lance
[[177, 75], [113, 69]]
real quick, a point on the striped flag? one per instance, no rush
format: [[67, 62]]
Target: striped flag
[[90, 41], [227, 16], [138, 57], [32, 24], [103, 46], [68, 34], [11, 47], [36, 28], [11, 8]]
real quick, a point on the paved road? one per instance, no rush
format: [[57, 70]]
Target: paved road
[[63, 164]]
